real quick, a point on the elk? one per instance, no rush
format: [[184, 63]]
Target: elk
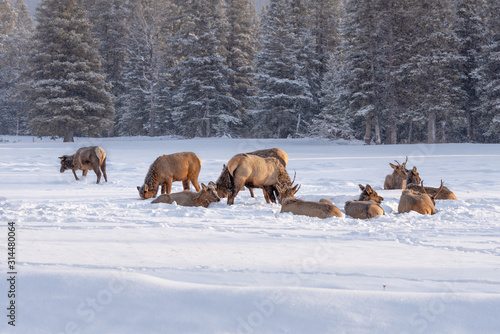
[[397, 180], [420, 202], [413, 177], [444, 193], [85, 158], [223, 183], [184, 166], [256, 172], [322, 209], [204, 197], [367, 206]]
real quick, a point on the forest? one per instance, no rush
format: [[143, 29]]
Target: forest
[[384, 72]]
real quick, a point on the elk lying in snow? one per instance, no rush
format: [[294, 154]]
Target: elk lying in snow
[[92, 157], [420, 202], [413, 183], [397, 180], [224, 182], [322, 209], [256, 172], [366, 206], [166, 169], [413, 177], [203, 198]]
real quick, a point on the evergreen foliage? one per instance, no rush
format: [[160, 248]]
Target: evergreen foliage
[[69, 95]]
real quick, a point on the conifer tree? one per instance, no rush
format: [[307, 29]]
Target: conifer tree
[[203, 105], [69, 94], [284, 91], [16, 28]]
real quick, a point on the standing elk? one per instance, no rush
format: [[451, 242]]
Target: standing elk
[[256, 172], [85, 158], [420, 202], [204, 197], [397, 180], [322, 209], [166, 169], [223, 183], [367, 206]]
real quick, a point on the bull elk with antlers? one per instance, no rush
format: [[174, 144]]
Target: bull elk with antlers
[[255, 172], [367, 206], [420, 202], [322, 209], [397, 180]]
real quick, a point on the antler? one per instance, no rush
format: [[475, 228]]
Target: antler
[[422, 185], [439, 190], [403, 164], [294, 175]]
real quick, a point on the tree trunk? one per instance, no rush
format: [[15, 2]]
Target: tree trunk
[[68, 136], [431, 127], [377, 131], [368, 131]]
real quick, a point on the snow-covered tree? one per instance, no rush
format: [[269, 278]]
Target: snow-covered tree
[[284, 89], [241, 50], [69, 94], [15, 30], [489, 78], [203, 105]]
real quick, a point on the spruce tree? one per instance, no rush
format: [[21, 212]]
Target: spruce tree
[[69, 94], [16, 28]]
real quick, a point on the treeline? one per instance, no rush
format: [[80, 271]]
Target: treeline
[[382, 71]]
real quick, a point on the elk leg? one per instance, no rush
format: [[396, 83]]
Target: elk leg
[[168, 186], [251, 192], [269, 190], [185, 184], [195, 183], [74, 173], [233, 190], [84, 172], [266, 196], [97, 172], [103, 168]]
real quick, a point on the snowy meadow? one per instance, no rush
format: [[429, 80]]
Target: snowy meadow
[[95, 258]]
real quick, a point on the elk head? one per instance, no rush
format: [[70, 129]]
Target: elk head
[[400, 169], [66, 162], [145, 192], [368, 194], [286, 191], [413, 177]]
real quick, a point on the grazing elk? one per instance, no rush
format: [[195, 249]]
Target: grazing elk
[[166, 169], [322, 209], [203, 198], [420, 202], [367, 206], [223, 183], [256, 172], [397, 180], [85, 158]]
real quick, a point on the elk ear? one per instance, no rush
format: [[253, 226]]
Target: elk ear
[[138, 188], [361, 187], [63, 157], [393, 165], [146, 188], [203, 186], [296, 188], [211, 183], [369, 189], [414, 169]]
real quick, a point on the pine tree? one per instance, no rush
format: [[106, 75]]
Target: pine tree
[[16, 28], [489, 74], [241, 50], [201, 93], [284, 91], [69, 94]]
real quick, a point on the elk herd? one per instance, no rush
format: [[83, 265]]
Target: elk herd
[[264, 169]]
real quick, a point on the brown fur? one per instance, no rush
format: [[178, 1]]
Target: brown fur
[[445, 193], [397, 180], [256, 172], [413, 177], [91, 157], [166, 169], [224, 181], [202, 198], [420, 202], [322, 209], [366, 206]]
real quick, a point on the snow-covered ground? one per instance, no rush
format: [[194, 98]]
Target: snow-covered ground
[[97, 259]]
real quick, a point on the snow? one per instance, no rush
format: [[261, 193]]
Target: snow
[[94, 258]]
